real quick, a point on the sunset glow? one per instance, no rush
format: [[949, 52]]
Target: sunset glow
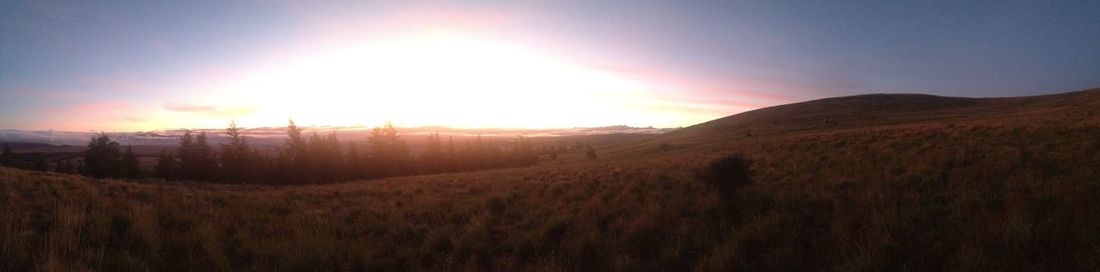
[[97, 66], [437, 77]]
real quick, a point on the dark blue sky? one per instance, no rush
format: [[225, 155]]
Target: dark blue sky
[[125, 65]]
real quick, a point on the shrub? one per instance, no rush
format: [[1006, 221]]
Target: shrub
[[729, 174]]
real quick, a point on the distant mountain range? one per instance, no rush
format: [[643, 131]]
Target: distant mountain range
[[274, 135]]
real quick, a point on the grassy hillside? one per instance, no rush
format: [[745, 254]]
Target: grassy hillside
[[896, 111], [877, 182]]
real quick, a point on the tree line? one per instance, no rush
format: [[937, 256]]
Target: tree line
[[312, 159], [109, 160]]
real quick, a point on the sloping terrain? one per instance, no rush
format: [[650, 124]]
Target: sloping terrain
[[876, 182], [879, 111]]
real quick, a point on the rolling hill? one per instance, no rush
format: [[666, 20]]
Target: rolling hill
[[871, 182]]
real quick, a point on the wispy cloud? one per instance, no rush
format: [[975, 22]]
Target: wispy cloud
[[189, 108], [206, 109], [135, 119]]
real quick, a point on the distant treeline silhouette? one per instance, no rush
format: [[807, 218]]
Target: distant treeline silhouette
[[300, 160]]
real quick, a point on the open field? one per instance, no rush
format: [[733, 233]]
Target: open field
[[883, 182]]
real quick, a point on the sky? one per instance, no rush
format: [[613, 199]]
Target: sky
[[153, 65]]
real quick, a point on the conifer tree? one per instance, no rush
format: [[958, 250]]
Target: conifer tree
[[326, 158], [293, 161], [197, 160], [189, 161], [432, 157], [131, 165], [450, 154], [7, 157], [207, 162], [389, 152], [103, 159], [236, 156], [354, 163], [166, 166], [314, 151]]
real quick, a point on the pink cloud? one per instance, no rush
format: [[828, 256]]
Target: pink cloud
[[95, 115], [189, 107], [101, 106], [209, 110], [118, 82]]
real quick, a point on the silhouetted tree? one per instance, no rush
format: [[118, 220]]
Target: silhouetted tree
[[260, 166], [208, 163], [236, 156], [389, 152], [7, 157], [130, 164], [450, 155], [325, 157], [188, 166], [355, 163], [481, 154], [293, 160], [166, 166], [472, 156], [196, 158], [431, 160], [103, 159]]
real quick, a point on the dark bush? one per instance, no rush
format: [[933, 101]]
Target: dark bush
[[729, 174]]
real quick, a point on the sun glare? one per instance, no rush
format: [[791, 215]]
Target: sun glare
[[438, 78]]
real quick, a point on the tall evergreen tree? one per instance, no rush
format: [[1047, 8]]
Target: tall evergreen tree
[[314, 155], [389, 152], [7, 157], [431, 160], [325, 157], [197, 160], [354, 163], [236, 156], [293, 161], [166, 166], [130, 164], [450, 153], [207, 162], [103, 159], [189, 161], [335, 157]]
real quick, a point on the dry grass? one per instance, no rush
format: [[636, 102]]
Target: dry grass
[[971, 194]]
